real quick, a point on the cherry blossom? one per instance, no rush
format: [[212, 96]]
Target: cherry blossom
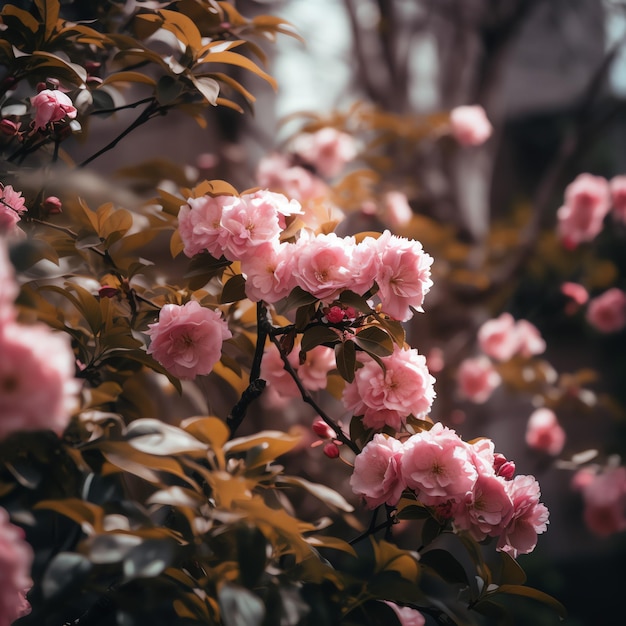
[[617, 186], [187, 340], [51, 105], [389, 396], [607, 312], [497, 337], [477, 378], [11, 209], [544, 433], [268, 272], [328, 150], [377, 477], [604, 496], [407, 616], [469, 125]]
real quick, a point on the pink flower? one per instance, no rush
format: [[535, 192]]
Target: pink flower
[[578, 294], [530, 517], [268, 272], [477, 378], [278, 378], [8, 286], [327, 150], [544, 433], [406, 615], [389, 396], [37, 385], [200, 224], [403, 275], [313, 373], [498, 339], [187, 340], [607, 312], [617, 187], [397, 210], [487, 509], [284, 206], [605, 502], [376, 475], [469, 125], [322, 264], [275, 172], [438, 465], [587, 201], [529, 339], [16, 557], [11, 208], [51, 106]]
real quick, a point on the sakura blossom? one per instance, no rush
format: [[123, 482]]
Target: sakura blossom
[[277, 173], [530, 341], [604, 497], [396, 209], [387, 397], [273, 371], [470, 125], [313, 373], [187, 340], [529, 518], [37, 385], [617, 186], [16, 557], [544, 433], [438, 465], [12, 207], [8, 286], [607, 312], [51, 105], [497, 337], [377, 476], [587, 201], [403, 276], [328, 150], [268, 272], [477, 378], [577, 294]]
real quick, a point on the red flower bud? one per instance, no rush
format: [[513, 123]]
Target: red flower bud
[[322, 429], [331, 450], [507, 471], [9, 127], [335, 315], [107, 291]]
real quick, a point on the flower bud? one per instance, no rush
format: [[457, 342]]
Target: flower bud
[[331, 450], [106, 291], [335, 315], [52, 205], [9, 127], [322, 429]]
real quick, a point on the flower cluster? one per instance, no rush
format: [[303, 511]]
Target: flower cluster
[[37, 385], [327, 150], [499, 339], [12, 207], [248, 229], [386, 396], [466, 483], [15, 561]]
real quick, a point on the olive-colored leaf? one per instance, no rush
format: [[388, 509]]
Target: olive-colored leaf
[[345, 357], [325, 494], [239, 606], [296, 299], [374, 340], [234, 289], [317, 335], [233, 58], [149, 559], [129, 77], [65, 573], [49, 12], [535, 594]]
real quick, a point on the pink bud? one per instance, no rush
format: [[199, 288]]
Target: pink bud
[[52, 205], [350, 313], [335, 315], [322, 429], [507, 471], [331, 450], [41, 86], [92, 66], [9, 127]]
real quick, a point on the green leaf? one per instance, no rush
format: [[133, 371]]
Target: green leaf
[[317, 335], [296, 299], [234, 289], [535, 594], [168, 90], [374, 340], [345, 357]]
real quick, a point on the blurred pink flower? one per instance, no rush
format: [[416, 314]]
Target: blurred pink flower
[[376, 475], [388, 397], [397, 210], [438, 465], [544, 433], [605, 502], [530, 517], [276, 173], [617, 185], [587, 201], [477, 378], [16, 557], [469, 125], [407, 616], [11, 209], [313, 373], [8, 286], [187, 340], [403, 276], [327, 150], [607, 312], [273, 371], [435, 359], [498, 338], [37, 385], [51, 105], [530, 341], [578, 294]]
